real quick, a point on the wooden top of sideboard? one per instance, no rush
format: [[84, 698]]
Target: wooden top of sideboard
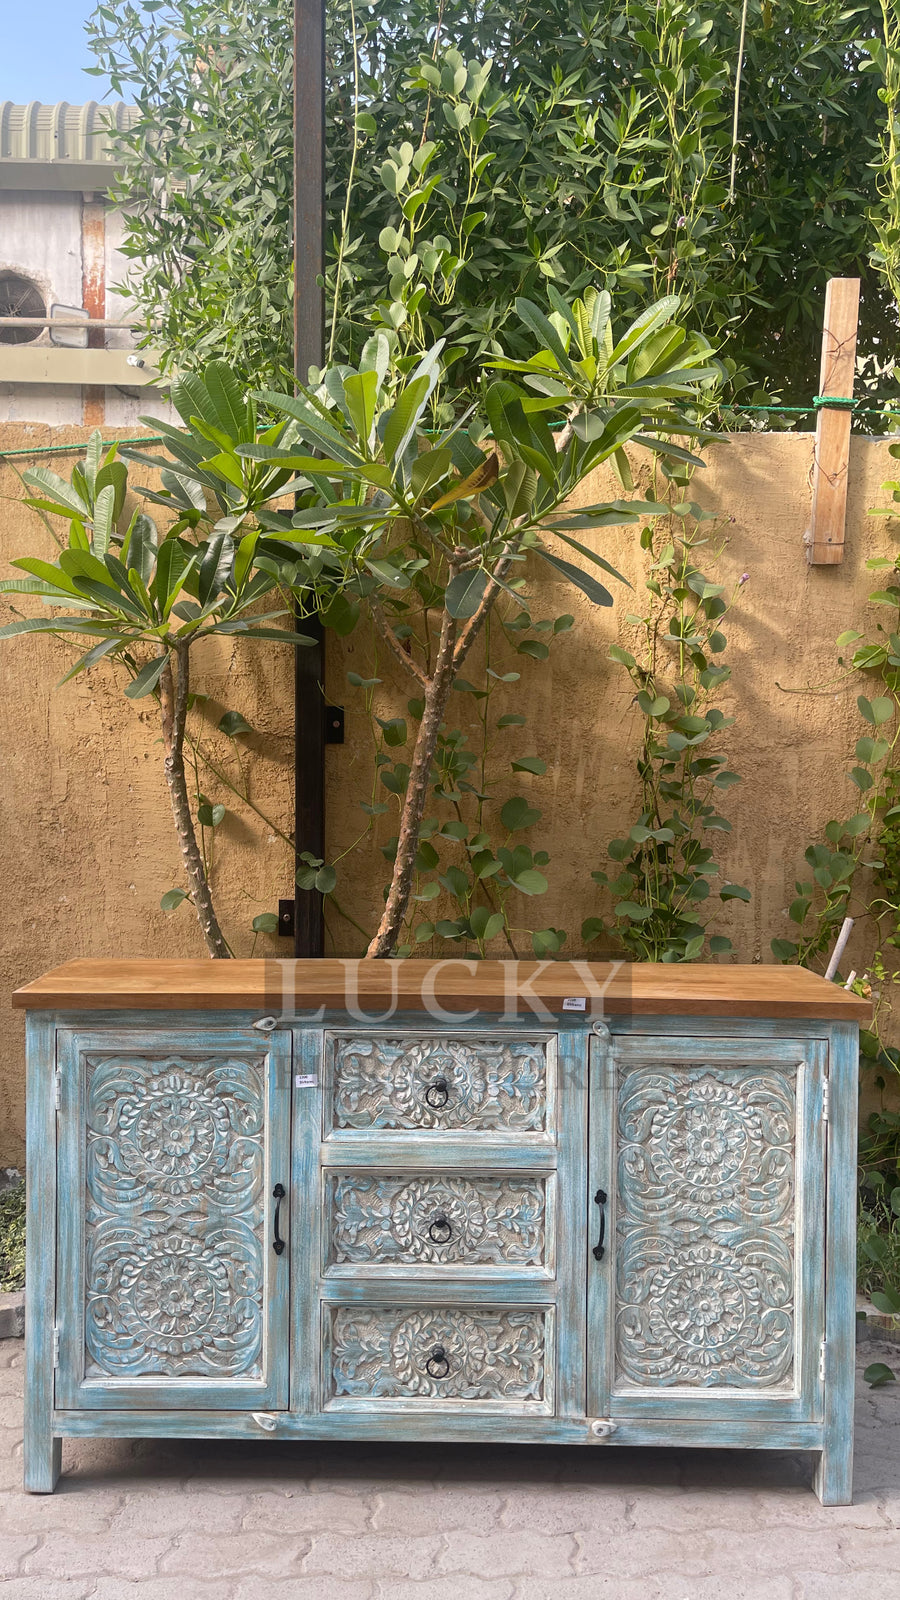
[[458, 985]]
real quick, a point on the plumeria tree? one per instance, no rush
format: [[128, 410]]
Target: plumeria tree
[[351, 501], [432, 530], [145, 598]]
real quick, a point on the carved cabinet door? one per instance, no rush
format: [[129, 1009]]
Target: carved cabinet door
[[708, 1301], [170, 1293]]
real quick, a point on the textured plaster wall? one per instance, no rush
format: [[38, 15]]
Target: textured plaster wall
[[86, 840]]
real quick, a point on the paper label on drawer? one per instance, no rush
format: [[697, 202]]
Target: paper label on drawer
[[306, 1080], [576, 1003]]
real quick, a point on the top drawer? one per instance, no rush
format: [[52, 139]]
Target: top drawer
[[416, 1082]]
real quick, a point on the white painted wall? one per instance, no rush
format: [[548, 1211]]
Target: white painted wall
[[40, 237]]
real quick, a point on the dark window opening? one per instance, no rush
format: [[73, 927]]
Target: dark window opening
[[19, 298]]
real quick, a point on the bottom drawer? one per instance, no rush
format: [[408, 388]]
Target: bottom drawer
[[467, 1357]]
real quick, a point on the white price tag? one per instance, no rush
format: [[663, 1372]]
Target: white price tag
[[575, 1003], [306, 1080]]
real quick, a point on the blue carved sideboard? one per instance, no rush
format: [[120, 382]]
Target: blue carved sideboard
[[537, 1202]]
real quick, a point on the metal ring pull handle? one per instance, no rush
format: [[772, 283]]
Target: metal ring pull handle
[[438, 1093], [437, 1365], [440, 1229], [278, 1194], [599, 1248]]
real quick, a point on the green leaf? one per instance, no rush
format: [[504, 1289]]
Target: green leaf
[[232, 722], [172, 898], [531, 882], [517, 814], [361, 393], [876, 711], [215, 566], [877, 1374], [404, 417], [465, 593], [485, 924], [734, 891], [591, 555], [104, 508], [582, 580], [210, 816], [545, 333], [530, 764], [887, 1301], [147, 678]]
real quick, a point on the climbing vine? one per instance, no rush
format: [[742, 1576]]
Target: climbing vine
[[662, 885]]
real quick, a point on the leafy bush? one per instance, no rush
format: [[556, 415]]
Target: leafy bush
[[12, 1237]]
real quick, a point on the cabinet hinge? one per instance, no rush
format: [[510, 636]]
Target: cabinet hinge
[[55, 1345], [57, 1088], [823, 1351], [826, 1099]]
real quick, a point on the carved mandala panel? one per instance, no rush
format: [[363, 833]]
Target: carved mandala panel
[[442, 1355], [703, 1137], [705, 1225], [174, 1246], [437, 1221], [703, 1313], [178, 1299], [440, 1083]]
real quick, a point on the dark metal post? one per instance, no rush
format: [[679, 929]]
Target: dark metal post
[[309, 350]]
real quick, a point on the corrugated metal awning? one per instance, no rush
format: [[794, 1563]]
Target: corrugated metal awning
[[59, 146]]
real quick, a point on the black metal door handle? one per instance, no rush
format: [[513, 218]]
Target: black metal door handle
[[440, 1229], [437, 1365], [278, 1194], [437, 1094], [600, 1200]]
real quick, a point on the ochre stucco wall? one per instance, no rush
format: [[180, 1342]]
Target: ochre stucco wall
[[86, 835]]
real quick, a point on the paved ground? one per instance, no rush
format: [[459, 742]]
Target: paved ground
[[202, 1521]]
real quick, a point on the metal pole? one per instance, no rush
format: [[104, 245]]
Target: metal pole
[[309, 350]]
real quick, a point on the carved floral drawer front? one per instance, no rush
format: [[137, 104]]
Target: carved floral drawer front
[[500, 1358], [705, 1234], [441, 1083], [433, 1221]]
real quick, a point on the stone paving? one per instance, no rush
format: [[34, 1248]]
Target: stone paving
[[275, 1521]]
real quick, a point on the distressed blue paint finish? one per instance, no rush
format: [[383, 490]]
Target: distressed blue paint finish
[[431, 1221], [474, 1355], [42, 1442], [437, 1082], [718, 1229], [834, 1473], [702, 1324], [169, 1290]]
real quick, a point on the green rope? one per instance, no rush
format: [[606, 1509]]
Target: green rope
[[69, 449], [832, 401]]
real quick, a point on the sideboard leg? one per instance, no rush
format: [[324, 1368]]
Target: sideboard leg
[[43, 1460], [42, 1451], [833, 1480]]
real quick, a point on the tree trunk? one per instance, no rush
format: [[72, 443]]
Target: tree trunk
[[173, 700], [437, 694]]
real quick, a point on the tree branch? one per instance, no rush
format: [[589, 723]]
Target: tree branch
[[387, 633], [173, 701]]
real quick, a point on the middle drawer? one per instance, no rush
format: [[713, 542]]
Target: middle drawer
[[445, 1222]]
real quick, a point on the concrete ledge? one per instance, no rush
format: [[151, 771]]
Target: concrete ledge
[[875, 1325], [12, 1315]]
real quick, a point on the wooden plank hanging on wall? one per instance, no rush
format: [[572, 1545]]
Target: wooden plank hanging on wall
[[831, 461]]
